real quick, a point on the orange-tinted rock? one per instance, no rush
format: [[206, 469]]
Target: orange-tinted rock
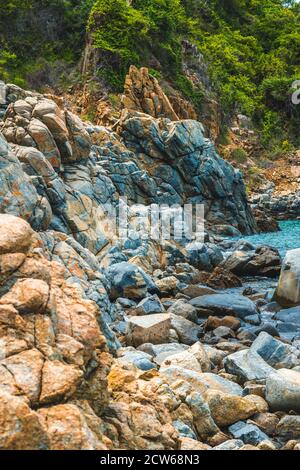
[[214, 322], [28, 296], [26, 369], [228, 409], [15, 234], [68, 429], [20, 427], [59, 381]]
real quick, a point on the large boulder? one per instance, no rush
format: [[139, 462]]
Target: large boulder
[[264, 261], [287, 293], [15, 235], [276, 353], [224, 304], [283, 390], [149, 329], [247, 365]]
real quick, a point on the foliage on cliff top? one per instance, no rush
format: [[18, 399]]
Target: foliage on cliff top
[[252, 48]]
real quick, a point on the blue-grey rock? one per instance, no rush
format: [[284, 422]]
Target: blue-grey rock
[[140, 359], [224, 304], [247, 365], [289, 315], [283, 390], [129, 281], [248, 433], [267, 328], [184, 430], [187, 331], [149, 305], [184, 309], [126, 303], [276, 353]]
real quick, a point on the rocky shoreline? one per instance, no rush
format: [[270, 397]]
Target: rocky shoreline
[[110, 343], [279, 206]]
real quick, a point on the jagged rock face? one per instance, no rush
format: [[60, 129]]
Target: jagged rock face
[[54, 359], [149, 160], [143, 93], [187, 169], [51, 344]]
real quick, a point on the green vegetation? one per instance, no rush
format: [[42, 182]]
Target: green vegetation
[[40, 38], [239, 155], [252, 49]]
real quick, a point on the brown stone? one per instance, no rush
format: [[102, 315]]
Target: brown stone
[[187, 443], [223, 279], [20, 427], [149, 329], [59, 381], [214, 322], [228, 409], [15, 234], [68, 429], [28, 296], [26, 369]]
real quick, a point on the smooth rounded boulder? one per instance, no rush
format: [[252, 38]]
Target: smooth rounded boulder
[[224, 304], [15, 234], [283, 390], [287, 293], [28, 296]]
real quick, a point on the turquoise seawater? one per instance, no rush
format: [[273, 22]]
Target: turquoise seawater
[[287, 239]]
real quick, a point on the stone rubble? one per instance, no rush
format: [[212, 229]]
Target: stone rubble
[[110, 343]]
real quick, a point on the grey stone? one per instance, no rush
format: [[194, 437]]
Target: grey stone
[[187, 331], [283, 390], [247, 365], [184, 430], [290, 315], [248, 433], [140, 359], [264, 261], [183, 309], [149, 305], [224, 304], [128, 281], [289, 427], [274, 352]]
